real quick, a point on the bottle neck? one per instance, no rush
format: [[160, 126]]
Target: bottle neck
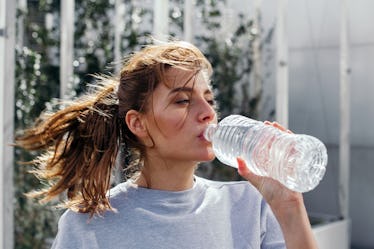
[[209, 132]]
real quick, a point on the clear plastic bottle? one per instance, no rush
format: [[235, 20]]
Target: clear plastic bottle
[[297, 161]]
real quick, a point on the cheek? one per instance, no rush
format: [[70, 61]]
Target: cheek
[[169, 124]]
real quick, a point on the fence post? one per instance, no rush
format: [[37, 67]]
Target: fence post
[[161, 19], [344, 144], [282, 65], [187, 20], [67, 47], [7, 81]]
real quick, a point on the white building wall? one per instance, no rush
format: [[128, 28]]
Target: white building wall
[[314, 101], [313, 29]]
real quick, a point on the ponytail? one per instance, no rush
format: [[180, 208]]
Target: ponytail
[[81, 142]]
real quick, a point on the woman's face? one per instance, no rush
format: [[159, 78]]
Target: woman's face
[[180, 110]]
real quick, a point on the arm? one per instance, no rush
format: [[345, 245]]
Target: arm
[[287, 206]]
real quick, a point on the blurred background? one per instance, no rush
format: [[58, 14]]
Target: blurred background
[[306, 64]]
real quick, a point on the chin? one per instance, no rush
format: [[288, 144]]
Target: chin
[[208, 157], [202, 155]]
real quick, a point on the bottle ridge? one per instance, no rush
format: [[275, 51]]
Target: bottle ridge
[[298, 161]]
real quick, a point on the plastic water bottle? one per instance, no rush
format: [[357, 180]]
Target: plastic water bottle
[[297, 161]]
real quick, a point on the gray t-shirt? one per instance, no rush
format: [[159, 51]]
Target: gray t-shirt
[[210, 215]]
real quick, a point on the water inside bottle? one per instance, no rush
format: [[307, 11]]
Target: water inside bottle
[[297, 161]]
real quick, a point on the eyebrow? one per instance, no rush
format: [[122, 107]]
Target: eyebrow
[[187, 89]]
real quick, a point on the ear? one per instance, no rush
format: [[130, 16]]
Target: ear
[[134, 121]]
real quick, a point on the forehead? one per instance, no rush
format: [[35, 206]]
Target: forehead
[[175, 77]]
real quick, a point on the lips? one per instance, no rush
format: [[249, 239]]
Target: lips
[[201, 136]]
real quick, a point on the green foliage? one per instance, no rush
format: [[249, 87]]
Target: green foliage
[[37, 87], [231, 56], [36, 83], [232, 60], [92, 40], [94, 37]]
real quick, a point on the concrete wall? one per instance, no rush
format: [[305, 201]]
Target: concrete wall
[[324, 199], [313, 36], [314, 101]]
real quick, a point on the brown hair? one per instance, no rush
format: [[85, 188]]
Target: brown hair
[[82, 140]]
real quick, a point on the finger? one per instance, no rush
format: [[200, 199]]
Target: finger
[[247, 174], [267, 122], [282, 128], [275, 125], [279, 126]]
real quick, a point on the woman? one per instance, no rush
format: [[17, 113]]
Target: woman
[[155, 114]]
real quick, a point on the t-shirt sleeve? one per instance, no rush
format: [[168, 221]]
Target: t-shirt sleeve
[[271, 233]]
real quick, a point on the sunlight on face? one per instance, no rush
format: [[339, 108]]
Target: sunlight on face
[[182, 107]]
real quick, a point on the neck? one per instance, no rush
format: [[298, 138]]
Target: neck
[[170, 176]]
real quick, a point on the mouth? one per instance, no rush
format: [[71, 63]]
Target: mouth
[[207, 130], [201, 136]]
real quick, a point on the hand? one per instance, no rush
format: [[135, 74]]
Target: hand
[[287, 205], [279, 126], [275, 193]]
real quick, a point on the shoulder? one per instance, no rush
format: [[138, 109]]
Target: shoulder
[[116, 195], [249, 212], [70, 221], [69, 230]]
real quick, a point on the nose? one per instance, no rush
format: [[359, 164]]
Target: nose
[[207, 112]]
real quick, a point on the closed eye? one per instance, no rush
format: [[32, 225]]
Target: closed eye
[[211, 102], [182, 101]]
